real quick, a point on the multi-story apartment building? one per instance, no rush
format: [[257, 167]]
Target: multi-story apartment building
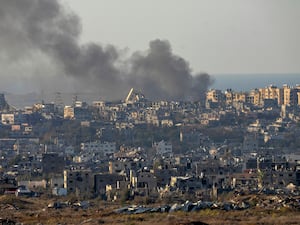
[[286, 95], [143, 182], [272, 92], [229, 96], [102, 148], [124, 166], [232, 96], [102, 180], [80, 182], [68, 112], [239, 97], [254, 97], [215, 96], [290, 95]]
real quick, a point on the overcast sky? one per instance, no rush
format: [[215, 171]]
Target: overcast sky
[[217, 37]]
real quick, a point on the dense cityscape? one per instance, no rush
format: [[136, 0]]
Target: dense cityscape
[[136, 150], [149, 112], [154, 149]]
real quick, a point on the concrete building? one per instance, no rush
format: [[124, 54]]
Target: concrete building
[[187, 184], [234, 97], [82, 114], [272, 92], [290, 95], [102, 180], [215, 96], [68, 112], [240, 97], [254, 97], [8, 119], [98, 104], [143, 182], [99, 148], [57, 181], [163, 148], [246, 179], [124, 166], [80, 182], [279, 179]]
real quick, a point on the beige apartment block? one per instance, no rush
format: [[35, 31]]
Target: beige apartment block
[[68, 112], [215, 96]]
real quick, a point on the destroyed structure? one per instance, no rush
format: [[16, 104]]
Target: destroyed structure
[[159, 150]]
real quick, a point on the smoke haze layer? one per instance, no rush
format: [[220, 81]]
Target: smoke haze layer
[[41, 50]]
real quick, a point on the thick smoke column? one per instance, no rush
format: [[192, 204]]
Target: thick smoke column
[[34, 28], [163, 75]]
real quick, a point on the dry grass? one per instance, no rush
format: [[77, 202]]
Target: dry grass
[[35, 211]]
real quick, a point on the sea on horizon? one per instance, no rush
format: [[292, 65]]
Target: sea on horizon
[[247, 82], [236, 82]]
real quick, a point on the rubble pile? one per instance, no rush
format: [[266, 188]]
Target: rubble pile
[[8, 207], [267, 202], [277, 202], [60, 205], [186, 207]]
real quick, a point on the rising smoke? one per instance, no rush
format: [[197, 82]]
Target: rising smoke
[[44, 34]]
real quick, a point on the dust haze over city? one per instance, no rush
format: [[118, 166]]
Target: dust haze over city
[[47, 47]]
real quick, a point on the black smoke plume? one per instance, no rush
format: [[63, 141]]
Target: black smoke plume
[[35, 29]]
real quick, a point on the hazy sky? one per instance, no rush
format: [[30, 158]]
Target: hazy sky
[[164, 48], [215, 36]]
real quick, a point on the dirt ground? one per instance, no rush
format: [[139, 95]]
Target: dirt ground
[[35, 211]]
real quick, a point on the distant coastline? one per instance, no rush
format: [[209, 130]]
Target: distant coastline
[[247, 82], [237, 82]]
